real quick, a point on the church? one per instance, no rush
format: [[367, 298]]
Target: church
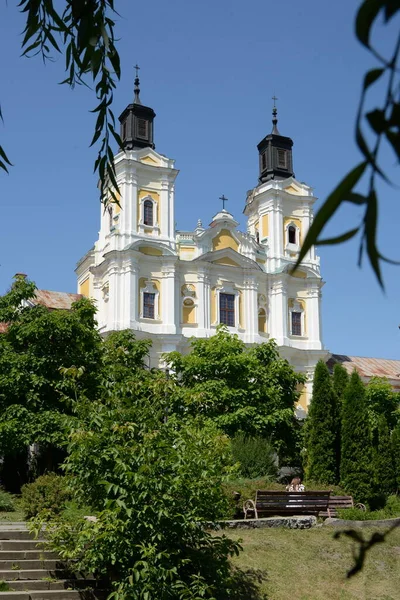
[[170, 285]]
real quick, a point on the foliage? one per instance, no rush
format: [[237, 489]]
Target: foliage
[[384, 126], [356, 468], [382, 400], [153, 485], [321, 429], [4, 586], [385, 479], [84, 33], [253, 391], [395, 445], [6, 502], [391, 510], [48, 493], [340, 381], [255, 455]]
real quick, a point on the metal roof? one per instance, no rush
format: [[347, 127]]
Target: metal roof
[[55, 300], [369, 367]]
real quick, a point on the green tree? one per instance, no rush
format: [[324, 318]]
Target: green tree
[[384, 467], [340, 381], [252, 391], [395, 444], [152, 484], [321, 429], [382, 400], [356, 467]]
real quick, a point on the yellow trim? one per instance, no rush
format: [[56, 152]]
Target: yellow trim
[[298, 224], [84, 287], [150, 251], [262, 321], [302, 401], [156, 197], [241, 311], [213, 305], [226, 261], [292, 189], [148, 160], [264, 226], [299, 274], [224, 239], [189, 315], [260, 261]]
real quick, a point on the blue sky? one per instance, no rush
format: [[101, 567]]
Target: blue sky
[[209, 70]]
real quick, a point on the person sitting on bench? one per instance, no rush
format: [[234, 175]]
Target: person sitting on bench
[[295, 485]]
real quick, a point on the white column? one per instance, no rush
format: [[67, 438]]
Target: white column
[[313, 318], [250, 309], [114, 297], [201, 302], [277, 317], [168, 299]]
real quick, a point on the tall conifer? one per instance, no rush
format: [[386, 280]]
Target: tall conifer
[[320, 428], [383, 461], [340, 382], [356, 468], [395, 444]]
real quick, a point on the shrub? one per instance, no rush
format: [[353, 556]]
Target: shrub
[[154, 485], [390, 511], [322, 429], [6, 502], [356, 467], [256, 456], [47, 493]]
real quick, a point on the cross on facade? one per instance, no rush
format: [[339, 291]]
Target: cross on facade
[[223, 201], [137, 68]]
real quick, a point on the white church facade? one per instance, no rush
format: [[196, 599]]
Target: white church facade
[[170, 285]]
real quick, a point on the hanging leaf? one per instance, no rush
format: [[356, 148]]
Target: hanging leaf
[[339, 239], [329, 207], [366, 15]]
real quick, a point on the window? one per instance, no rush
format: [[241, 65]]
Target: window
[[148, 305], [227, 309], [282, 159], [148, 213], [296, 323], [263, 160], [110, 217], [292, 235], [124, 131], [143, 129]]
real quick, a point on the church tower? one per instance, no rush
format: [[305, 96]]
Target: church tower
[[170, 285]]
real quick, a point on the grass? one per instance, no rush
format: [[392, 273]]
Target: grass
[[13, 516], [311, 565]]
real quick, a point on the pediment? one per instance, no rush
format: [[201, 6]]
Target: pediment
[[295, 188], [229, 258], [150, 248]]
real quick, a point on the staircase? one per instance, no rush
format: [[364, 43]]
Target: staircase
[[29, 572]]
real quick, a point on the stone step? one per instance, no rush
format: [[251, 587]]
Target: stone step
[[19, 555], [21, 544], [52, 584], [11, 574], [19, 565], [47, 595], [15, 534], [37, 584]]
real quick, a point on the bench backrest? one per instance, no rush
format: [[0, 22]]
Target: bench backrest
[[341, 502], [291, 502]]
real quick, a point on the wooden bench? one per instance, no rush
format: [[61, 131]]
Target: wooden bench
[[337, 502], [286, 503]]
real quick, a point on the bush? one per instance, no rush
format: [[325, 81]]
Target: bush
[[256, 456], [48, 493], [390, 511], [6, 502]]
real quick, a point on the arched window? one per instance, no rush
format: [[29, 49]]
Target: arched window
[[148, 213], [292, 235]]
